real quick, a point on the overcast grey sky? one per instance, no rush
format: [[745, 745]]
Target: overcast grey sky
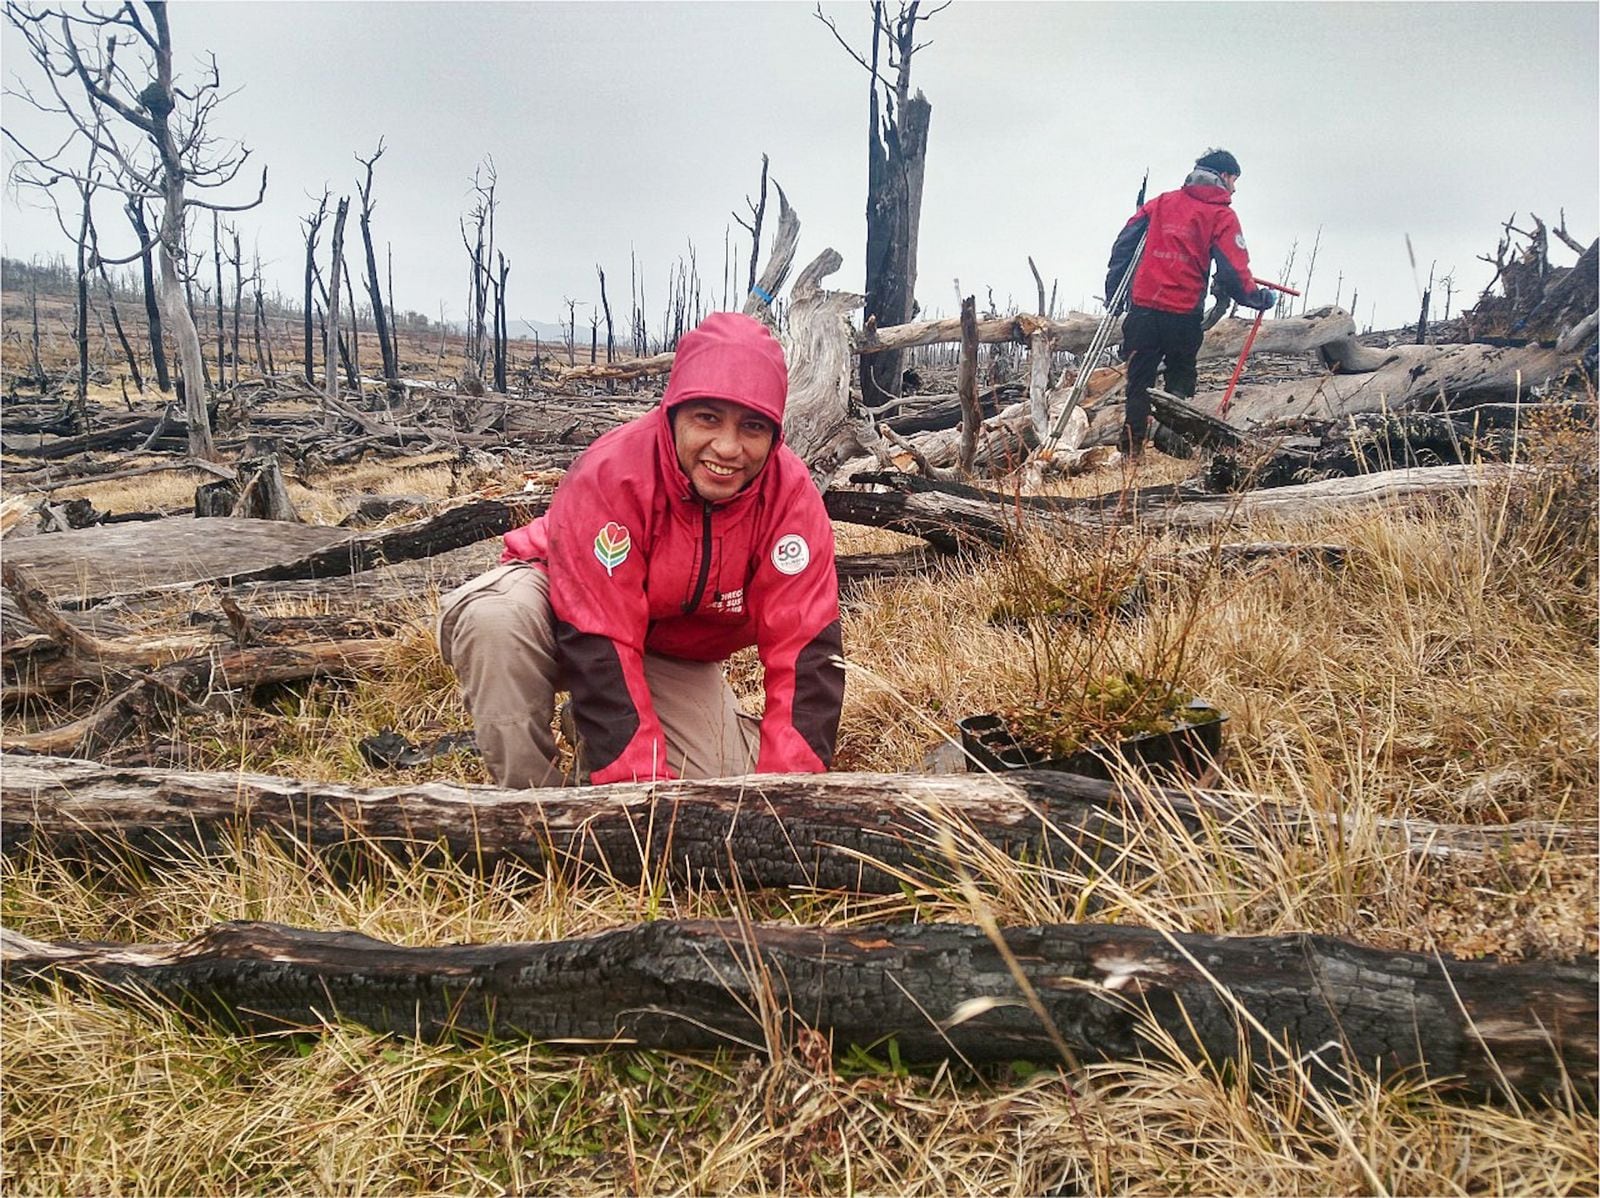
[[642, 125]]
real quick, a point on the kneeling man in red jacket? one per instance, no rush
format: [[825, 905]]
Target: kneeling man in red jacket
[[673, 541]]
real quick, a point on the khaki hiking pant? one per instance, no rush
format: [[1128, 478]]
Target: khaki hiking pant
[[497, 633]]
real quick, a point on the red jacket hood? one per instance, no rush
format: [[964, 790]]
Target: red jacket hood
[[1208, 194], [733, 357]]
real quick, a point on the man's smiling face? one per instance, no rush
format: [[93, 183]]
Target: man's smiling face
[[721, 446]]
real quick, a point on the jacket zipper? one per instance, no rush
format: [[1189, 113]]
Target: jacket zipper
[[705, 562]]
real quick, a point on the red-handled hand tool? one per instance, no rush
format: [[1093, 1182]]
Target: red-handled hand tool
[[1227, 396]]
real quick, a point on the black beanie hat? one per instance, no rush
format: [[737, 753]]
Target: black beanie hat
[[1220, 161]]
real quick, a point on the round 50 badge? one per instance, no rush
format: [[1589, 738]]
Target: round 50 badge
[[791, 554]]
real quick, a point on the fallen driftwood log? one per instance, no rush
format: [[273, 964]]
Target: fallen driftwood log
[[951, 517], [1323, 1006], [863, 832]]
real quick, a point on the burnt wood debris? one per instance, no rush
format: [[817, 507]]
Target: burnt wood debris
[[1324, 417], [861, 832], [1311, 1004]]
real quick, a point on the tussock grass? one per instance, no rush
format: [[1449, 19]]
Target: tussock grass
[[1446, 672]]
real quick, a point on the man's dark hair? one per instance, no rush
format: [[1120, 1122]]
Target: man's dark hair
[[1220, 161]]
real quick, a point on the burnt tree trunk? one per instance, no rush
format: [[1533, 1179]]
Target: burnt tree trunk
[[820, 423], [237, 262], [179, 318], [122, 335], [331, 340], [605, 304], [380, 319], [312, 224], [80, 331], [753, 832], [500, 339], [779, 259], [152, 307], [758, 215], [897, 149], [221, 307], [967, 385], [1335, 1008], [263, 330], [394, 320], [258, 492]]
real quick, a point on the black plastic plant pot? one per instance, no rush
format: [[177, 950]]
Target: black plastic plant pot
[[1191, 747]]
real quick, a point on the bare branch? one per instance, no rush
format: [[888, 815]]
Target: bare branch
[[848, 48], [261, 194]]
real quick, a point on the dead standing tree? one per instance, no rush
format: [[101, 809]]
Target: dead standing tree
[[312, 225], [758, 212], [482, 280], [897, 151], [173, 156], [152, 305], [501, 336], [331, 342], [391, 363]]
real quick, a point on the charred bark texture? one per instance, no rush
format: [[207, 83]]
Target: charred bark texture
[[152, 305], [312, 226], [258, 492], [941, 990], [897, 153], [380, 319], [863, 832]]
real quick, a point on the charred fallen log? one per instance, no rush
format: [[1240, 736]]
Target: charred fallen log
[[863, 832], [1317, 1004], [125, 434]]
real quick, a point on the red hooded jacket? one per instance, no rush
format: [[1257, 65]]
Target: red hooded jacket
[[1188, 230], [638, 561]]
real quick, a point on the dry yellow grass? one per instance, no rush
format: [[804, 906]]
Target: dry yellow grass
[[1447, 672]]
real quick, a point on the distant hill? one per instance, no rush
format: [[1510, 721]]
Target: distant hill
[[527, 330]]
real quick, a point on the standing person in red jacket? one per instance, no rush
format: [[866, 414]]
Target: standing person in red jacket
[[1185, 231], [673, 541]]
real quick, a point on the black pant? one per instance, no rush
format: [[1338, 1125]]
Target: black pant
[[1149, 338]]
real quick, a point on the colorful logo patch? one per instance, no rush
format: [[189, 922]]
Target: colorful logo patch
[[611, 546], [791, 554]]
